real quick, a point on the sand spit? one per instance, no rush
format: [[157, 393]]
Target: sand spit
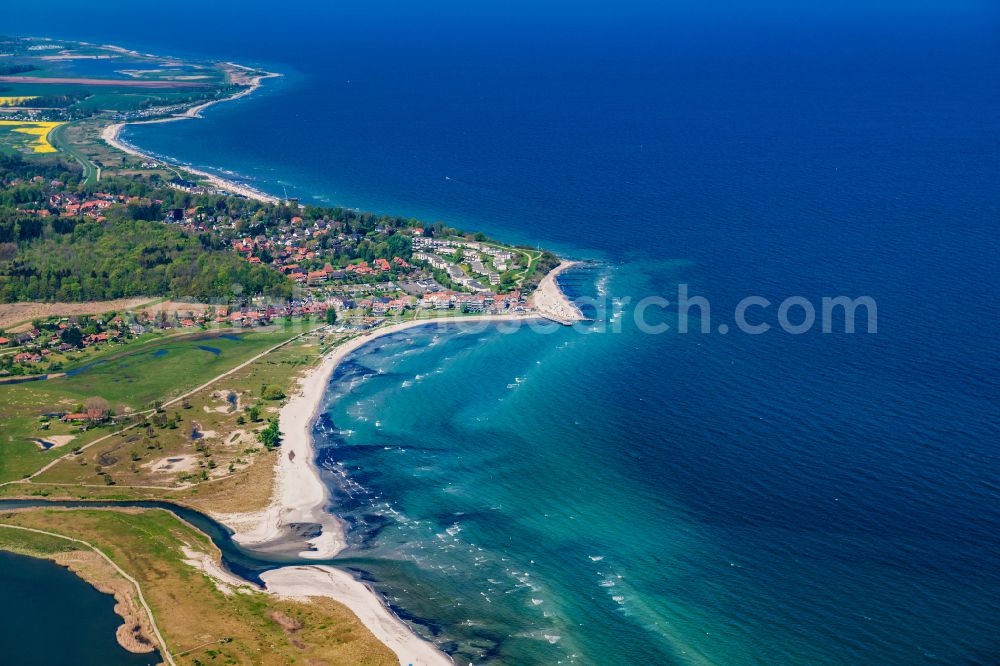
[[551, 302], [302, 582]]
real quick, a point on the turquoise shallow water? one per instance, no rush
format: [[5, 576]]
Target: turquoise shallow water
[[516, 497], [625, 498], [702, 498]]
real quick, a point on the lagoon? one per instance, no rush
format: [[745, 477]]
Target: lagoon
[[810, 499], [794, 499], [57, 618]]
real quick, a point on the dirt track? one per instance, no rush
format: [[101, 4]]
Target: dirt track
[[15, 313]]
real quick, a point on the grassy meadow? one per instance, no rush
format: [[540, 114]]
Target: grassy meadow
[[200, 622], [129, 377], [212, 459]]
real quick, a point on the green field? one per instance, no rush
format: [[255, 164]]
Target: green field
[[200, 623], [128, 377], [133, 92], [57, 138], [114, 102], [30, 89], [81, 140], [139, 377]]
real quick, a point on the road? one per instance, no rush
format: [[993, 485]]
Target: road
[[173, 401], [165, 653], [91, 172]]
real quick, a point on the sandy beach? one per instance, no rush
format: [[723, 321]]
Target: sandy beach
[[319, 580], [111, 134], [301, 497], [551, 302]]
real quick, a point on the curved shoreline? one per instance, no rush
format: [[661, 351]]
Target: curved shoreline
[[301, 496], [303, 582], [551, 301], [125, 608], [111, 135]]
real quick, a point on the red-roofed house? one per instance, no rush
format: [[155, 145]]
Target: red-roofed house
[[361, 269]]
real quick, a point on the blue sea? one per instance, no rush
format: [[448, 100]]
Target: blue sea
[[606, 494]]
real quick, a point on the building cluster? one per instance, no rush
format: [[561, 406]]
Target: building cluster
[[316, 277], [324, 253], [64, 203], [54, 340], [151, 112], [512, 303], [486, 262], [383, 285]]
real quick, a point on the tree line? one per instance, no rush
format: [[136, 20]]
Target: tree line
[[121, 258]]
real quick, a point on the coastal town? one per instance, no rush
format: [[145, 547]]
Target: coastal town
[[500, 333], [168, 335], [353, 271]]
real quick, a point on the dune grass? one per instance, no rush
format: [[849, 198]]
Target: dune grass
[[128, 376], [200, 622]]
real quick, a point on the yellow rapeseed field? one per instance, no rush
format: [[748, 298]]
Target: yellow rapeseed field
[[16, 101], [35, 129]]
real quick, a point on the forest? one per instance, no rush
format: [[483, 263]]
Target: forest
[[76, 259], [129, 253]]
